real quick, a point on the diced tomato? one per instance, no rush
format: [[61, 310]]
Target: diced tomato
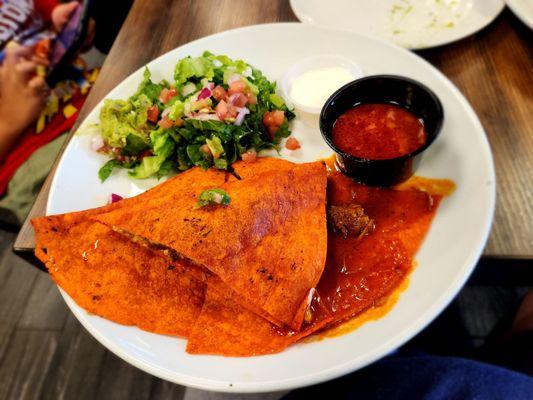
[[249, 156], [272, 131], [219, 93], [153, 113], [106, 149], [221, 110], [237, 87], [145, 153], [278, 117], [239, 100], [179, 122], [292, 144], [232, 112], [165, 123], [252, 99], [205, 149], [267, 119], [273, 118], [167, 94]]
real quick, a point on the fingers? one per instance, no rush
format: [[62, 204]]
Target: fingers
[[40, 60], [37, 85], [15, 52], [71, 6], [61, 14], [26, 67]]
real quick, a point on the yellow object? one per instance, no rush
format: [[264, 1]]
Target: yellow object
[[40, 123], [94, 74], [69, 110], [41, 71], [52, 106]]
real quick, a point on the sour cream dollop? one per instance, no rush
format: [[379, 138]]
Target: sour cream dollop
[[312, 88]]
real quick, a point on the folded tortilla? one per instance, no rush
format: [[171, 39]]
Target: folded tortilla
[[269, 245], [110, 276], [229, 329]]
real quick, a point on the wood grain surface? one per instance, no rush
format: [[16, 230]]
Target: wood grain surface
[[492, 69]]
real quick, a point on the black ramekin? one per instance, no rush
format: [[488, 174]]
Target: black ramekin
[[383, 89]]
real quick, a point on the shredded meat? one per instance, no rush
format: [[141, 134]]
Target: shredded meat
[[350, 220]]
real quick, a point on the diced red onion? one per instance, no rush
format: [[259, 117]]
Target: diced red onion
[[165, 112], [210, 85], [205, 117], [234, 78], [233, 97], [204, 93], [217, 198], [113, 198], [241, 113], [188, 89], [97, 143], [247, 72]]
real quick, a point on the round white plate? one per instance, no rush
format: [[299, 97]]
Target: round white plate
[[523, 9], [415, 24], [445, 260]]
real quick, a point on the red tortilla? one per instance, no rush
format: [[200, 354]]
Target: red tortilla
[[268, 245], [226, 328], [115, 278]]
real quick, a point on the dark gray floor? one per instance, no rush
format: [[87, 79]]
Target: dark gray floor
[[46, 353]]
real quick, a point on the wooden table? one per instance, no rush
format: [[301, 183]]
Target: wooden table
[[492, 68]]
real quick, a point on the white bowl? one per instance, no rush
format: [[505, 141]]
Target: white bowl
[[306, 113]]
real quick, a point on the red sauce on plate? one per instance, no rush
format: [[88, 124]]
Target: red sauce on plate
[[378, 132], [362, 273]]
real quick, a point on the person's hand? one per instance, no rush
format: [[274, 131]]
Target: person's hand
[[22, 94], [61, 14]]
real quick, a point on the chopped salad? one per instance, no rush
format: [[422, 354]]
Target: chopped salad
[[216, 111]]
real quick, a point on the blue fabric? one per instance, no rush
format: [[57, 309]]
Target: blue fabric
[[425, 377]]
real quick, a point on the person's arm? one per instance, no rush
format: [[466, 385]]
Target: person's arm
[[22, 95]]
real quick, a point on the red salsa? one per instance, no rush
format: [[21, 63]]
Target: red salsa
[[378, 132]]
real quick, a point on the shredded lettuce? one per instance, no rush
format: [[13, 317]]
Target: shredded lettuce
[[197, 67], [149, 166], [107, 168], [148, 88], [176, 110], [215, 146]]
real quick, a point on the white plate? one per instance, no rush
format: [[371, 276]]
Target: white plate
[[446, 258], [523, 9], [415, 24]]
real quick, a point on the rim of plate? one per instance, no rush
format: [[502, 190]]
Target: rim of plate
[[356, 362], [520, 11], [455, 38]]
